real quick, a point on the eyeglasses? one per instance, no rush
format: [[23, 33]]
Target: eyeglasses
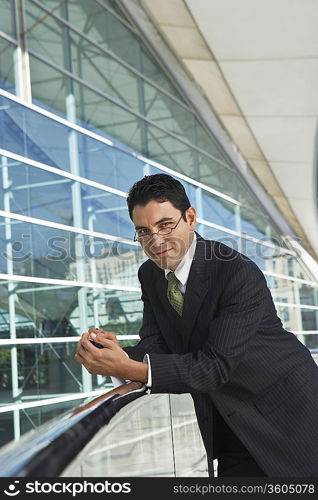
[[143, 234]]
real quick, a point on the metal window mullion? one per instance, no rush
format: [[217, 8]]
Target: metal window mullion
[[101, 139], [112, 55], [22, 66], [127, 108], [8, 38], [12, 297], [238, 225], [76, 193]]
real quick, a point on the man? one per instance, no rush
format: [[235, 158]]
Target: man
[[210, 328]]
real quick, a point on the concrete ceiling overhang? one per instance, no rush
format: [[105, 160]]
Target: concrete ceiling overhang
[[257, 64]]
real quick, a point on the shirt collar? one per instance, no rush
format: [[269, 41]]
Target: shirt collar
[[183, 269]]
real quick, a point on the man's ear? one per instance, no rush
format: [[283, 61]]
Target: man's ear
[[191, 217]]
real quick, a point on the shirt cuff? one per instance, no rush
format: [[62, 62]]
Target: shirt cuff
[[119, 381], [147, 360]]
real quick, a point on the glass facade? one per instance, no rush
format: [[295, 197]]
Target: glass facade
[[85, 111], [150, 442]]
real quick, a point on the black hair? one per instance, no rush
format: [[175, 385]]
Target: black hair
[[159, 187]]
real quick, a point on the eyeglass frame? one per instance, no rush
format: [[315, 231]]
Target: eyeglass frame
[[148, 236]]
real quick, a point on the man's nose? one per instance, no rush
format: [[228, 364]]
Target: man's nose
[[156, 240]]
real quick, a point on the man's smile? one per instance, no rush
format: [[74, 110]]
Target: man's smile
[[162, 252]]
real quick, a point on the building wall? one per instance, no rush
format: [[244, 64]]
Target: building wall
[[85, 111]]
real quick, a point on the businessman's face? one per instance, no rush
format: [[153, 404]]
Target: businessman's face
[[166, 250]]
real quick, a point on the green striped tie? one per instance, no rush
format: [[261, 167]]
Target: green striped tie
[[174, 295]]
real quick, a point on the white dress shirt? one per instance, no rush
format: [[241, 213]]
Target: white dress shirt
[[182, 273]]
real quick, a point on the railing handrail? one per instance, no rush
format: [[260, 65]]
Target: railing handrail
[[47, 450]]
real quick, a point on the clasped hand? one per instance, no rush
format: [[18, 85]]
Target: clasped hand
[[111, 360]]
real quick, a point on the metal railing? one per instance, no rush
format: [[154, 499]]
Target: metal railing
[[47, 450]]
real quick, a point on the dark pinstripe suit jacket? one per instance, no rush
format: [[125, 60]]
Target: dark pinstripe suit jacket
[[234, 353]]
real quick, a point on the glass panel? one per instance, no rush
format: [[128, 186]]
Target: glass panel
[[30, 418], [170, 152], [149, 67], [167, 113], [293, 292], [35, 250], [84, 59], [40, 138], [48, 311], [7, 17], [110, 33], [97, 113], [218, 211], [6, 423], [117, 311], [262, 255], [38, 310], [80, 57], [297, 320], [101, 26], [7, 79], [32, 135], [92, 110], [216, 175], [106, 74], [190, 460], [43, 370], [44, 195], [294, 267], [255, 225], [49, 142], [308, 295], [136, 442], [207, 143]]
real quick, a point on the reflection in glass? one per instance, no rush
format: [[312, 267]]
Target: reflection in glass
[[136, 442], [44, 370], [7, 17], [7, 76]]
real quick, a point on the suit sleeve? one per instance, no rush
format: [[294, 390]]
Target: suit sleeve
[[229, 337], [151, 340]]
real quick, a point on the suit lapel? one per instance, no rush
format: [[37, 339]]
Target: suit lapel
[[196, 290]]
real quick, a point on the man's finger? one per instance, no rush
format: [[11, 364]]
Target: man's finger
[[78, 357], [104, 334], [94, 329], [81, 350], [87, 345], [104, 341]]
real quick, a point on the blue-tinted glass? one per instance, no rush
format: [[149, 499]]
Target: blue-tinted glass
[[45, 195], [52, 253], [40, 138], [167, 113], [218, 211], [7, 17], [211, 233], [30, 418], [30, 134], [7, 77], [107, 165], [83, 59], [118, 311], [46, 369], [105, 213], [37, 193]]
